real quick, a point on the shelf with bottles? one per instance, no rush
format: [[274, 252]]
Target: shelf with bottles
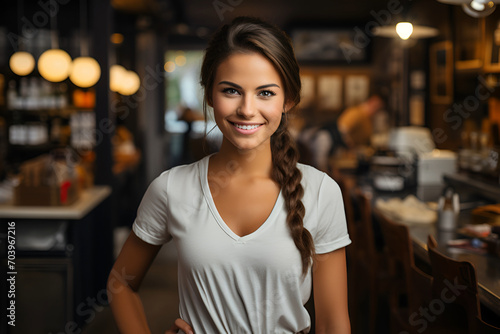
[[35, 93]]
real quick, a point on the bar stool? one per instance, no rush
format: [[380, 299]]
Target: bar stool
[[457, 279]]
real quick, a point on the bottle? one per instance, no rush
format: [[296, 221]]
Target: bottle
[[12, 97], [2, 90], [448, 210]]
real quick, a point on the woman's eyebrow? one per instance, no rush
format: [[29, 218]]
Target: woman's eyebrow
[[229, 83]]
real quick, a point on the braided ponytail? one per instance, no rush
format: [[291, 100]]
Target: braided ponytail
[[285, 172], [246, 34]]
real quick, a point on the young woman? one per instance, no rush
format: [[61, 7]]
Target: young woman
[[252, 227]]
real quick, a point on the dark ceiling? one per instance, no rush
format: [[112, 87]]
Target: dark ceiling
[[188, 16], [211, 13]]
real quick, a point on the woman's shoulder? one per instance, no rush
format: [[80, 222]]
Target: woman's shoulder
[[311, 174], [178, 174], [315, 180]]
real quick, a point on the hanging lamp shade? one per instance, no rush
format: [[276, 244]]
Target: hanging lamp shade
[[474, 8], [131, 83], [85, 72], [117, 74], [418, 32], [54, 65], [22, 63]]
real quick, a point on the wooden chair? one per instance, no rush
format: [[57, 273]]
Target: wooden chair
[[371, 266], [463, 300], [485, 328], [408, 280], [347, 184]]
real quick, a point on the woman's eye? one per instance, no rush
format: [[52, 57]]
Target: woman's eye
[[267, 93], [230, 91]]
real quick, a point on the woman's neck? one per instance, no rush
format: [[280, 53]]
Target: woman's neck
[[252, 163]]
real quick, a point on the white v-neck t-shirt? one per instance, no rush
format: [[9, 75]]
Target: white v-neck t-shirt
[[233, 284]]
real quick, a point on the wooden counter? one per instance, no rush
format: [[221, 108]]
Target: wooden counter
[[487, 266], [69, 268], [88, 200]]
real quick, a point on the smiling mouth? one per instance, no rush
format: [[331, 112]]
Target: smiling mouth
[[246, 127]]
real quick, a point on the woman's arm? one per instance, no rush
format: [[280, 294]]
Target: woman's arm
[[124, 280], [330, 293]]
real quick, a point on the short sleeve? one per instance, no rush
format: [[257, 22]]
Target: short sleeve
[[151, 223], [331, 232]]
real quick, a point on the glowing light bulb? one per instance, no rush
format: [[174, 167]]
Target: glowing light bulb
[[22, 63], [85, 72], [404, 30], [117, 74], [477, 5], [54, 65], [180, 60], [169, 66], [131, 83]]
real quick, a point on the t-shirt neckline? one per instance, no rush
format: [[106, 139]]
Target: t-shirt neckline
[[203, 169]]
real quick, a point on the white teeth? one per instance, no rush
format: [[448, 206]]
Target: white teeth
[[246, 127]]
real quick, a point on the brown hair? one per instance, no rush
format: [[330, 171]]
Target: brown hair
[[247, 35]]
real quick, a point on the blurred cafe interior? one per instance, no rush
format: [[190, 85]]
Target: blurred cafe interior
[[98, 97]]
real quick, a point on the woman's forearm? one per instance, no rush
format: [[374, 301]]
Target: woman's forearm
[[344, 328], [126, 307]]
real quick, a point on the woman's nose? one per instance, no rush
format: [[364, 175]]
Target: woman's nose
[[247, 108]]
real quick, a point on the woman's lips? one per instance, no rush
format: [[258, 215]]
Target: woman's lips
[[246, 129]]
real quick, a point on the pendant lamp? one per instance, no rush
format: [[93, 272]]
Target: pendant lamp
[[85, 71], [21, 62], [123, 81], [117, 75], [406, 30], [474, 8], [130, 84], [55, 64]]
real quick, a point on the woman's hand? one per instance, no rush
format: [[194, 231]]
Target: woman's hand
[[182, 325]]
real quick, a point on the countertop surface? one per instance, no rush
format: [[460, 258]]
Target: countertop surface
[[487, 266], [89, 199]]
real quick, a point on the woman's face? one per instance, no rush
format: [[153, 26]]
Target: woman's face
[[248, 99]]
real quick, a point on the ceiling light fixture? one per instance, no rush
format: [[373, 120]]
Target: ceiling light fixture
[[404, 30], [86, 70], [474, 8], [21, 62], [55, 64], [123, 81]]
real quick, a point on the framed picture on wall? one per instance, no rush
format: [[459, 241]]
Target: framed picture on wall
[[492, 56], [330, 92], [441, 72], [335, 45], [357, 89], [468, 47], [307, 92]]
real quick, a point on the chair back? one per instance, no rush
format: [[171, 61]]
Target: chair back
[[484, 328], [346, 184], [456, 280], [399, 247], [364, 227]]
